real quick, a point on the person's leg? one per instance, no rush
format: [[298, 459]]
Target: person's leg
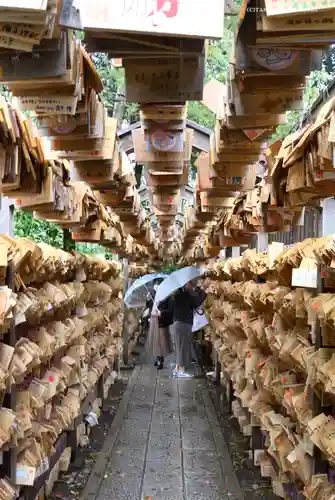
[[188, 349], [159, 349], [173, 345], [160, 358], [177, 328], [187, 345], [193, 355], [164, 345], [185, 352], [173, 340], [155, 336]]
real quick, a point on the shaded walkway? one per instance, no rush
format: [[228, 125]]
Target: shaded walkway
[[165, 443]]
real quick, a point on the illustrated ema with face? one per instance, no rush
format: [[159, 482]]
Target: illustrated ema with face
[[275, 59]]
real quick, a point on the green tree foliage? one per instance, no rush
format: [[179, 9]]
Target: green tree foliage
[[4, 91], [329, 60], [316, 83], [216, 69], [192, 169], [198, 113], [293, 118], [92, 249], [113, 80], [218, 57], [217, 65], [25, 226], [169, 268]]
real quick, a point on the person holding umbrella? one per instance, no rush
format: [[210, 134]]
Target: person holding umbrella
[[186, 301], [141, 295], [140, 292]]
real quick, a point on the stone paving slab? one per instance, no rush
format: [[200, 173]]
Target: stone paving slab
[[165, 443]]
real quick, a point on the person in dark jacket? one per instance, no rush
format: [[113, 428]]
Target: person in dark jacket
[[165, 320], [186, 301]]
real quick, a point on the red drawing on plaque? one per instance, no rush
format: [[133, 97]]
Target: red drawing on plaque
[[167, 7]]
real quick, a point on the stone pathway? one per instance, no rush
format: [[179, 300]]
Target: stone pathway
[[165, 444]]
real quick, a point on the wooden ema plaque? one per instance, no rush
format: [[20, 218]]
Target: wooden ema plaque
[[151, 125], [263, 60], [171, 167], [164, 141], [238, 156], [70, 15], [80, 127], [91, 234], [213, 201], [51, 62], [307, 21], [287, 7], [34, 6], [142, 45], [181, 18], [164, 179], [111, 197], [164, 220], [166, 199], [271, 102], [95, 175], [255, 121], [53, 128], [275, 101], [229, 170], [164, 80], [155, 114], [229, 241], [270, 82], [143, 156], [249, 138], [165, 209]]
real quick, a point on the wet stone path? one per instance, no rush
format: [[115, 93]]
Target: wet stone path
[[165, 443]]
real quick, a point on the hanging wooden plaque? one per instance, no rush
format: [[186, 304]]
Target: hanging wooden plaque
[[165, 79]]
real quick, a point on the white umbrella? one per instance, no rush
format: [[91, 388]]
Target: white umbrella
[[177, 280], [136, 294], [199, 322]]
